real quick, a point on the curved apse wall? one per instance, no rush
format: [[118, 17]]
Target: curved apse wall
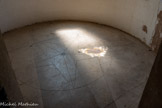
[[131, 16]]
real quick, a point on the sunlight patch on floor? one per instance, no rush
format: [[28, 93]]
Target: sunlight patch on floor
[[95, 52], [76, 36]]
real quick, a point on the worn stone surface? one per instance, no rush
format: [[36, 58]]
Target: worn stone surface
[[51, 69], [152, 96], [7, 75]]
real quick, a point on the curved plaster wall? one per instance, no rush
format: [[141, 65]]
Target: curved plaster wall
[[127, 15]]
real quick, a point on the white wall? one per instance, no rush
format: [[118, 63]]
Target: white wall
[[127, 15]]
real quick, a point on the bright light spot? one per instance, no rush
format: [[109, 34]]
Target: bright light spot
[[95, 52], [69, 33]]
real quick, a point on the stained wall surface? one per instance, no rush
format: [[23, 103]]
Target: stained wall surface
[[137, 17]]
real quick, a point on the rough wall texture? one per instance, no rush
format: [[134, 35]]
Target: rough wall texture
[[157, 37], [158, 34], [127, 15], [7, 76]]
